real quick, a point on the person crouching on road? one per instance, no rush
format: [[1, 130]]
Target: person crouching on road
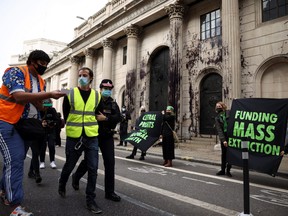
[[80, 107], [108, 117]]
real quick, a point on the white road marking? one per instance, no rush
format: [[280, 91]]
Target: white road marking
[[206, 175], [206, 182], [189, 200]]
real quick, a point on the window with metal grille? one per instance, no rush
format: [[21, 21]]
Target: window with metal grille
[[272, 9], [210, 24]]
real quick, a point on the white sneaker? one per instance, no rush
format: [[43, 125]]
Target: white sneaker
[[53, 165], [20, 211], [42, 165]]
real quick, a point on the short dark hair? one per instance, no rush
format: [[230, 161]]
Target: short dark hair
[[38, 55]]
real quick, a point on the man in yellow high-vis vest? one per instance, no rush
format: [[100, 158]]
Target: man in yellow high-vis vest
[[80, 107]]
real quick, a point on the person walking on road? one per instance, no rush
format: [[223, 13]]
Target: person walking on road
[[108, 117], [168, 146], [50, 121], [19, 97], [221, 127], [80, 107]]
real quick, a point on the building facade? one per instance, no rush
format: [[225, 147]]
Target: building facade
[[188, 54]]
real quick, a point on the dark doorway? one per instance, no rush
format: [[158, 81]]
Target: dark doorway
[[158, 95], [210, 94]]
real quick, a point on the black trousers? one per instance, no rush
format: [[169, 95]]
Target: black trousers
[[224, 159], [134, 152], [35, 146], [106, 145]]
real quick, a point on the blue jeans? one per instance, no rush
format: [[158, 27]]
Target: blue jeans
[[90, 148]]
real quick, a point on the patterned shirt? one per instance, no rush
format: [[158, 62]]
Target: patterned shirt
[[14, 80]]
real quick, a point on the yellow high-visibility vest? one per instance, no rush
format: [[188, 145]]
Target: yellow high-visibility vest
[[82, 115]]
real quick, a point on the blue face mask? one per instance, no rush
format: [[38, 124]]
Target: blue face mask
[[106, 93], [83, 81]]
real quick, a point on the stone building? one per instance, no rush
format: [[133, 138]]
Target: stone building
[[188, 54]]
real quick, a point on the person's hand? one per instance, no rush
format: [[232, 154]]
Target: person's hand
[[282, 153], [38, 105], [57, 94], [163, 112], [225, 143], [101, 117]]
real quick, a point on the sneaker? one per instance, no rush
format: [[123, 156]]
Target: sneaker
[[221, 172], [62, 190], [130, 156], [228, 174], [20, 211], [113, 196], [3, 198], [53, 165], [31, 174], [42, 165], [94, 208], [38, 178]]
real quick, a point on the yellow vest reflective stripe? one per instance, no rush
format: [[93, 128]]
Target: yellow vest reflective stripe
[[82, 115]]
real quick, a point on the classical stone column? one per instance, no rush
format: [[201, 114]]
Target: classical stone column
[[231, 50], [48, 84], [89, 53], [73, 75], [107, 58], [132, 33], [176, 13], [55, 84]]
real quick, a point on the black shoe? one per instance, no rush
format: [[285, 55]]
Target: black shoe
[[141, 158], [62, 189], [38, 178], [228, 174], [94, 208], [75, 184], [113, 196], [130, 156], [31, 174], [221, 172]]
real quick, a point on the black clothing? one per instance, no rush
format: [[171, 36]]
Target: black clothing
[[125, 117], [51, 117], [111, 110], [167, 137], [221, 126], [106, 143]]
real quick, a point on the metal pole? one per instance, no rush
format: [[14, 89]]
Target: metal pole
[[245, 157]]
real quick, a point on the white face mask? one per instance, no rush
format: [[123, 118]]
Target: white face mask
[[83, 81]]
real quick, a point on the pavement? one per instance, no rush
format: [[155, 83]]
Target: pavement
[[202, 153]]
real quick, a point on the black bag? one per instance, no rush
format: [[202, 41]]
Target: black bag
[[30, 129]]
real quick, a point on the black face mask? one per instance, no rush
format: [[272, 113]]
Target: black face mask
[[41, 69], [218, 110]]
